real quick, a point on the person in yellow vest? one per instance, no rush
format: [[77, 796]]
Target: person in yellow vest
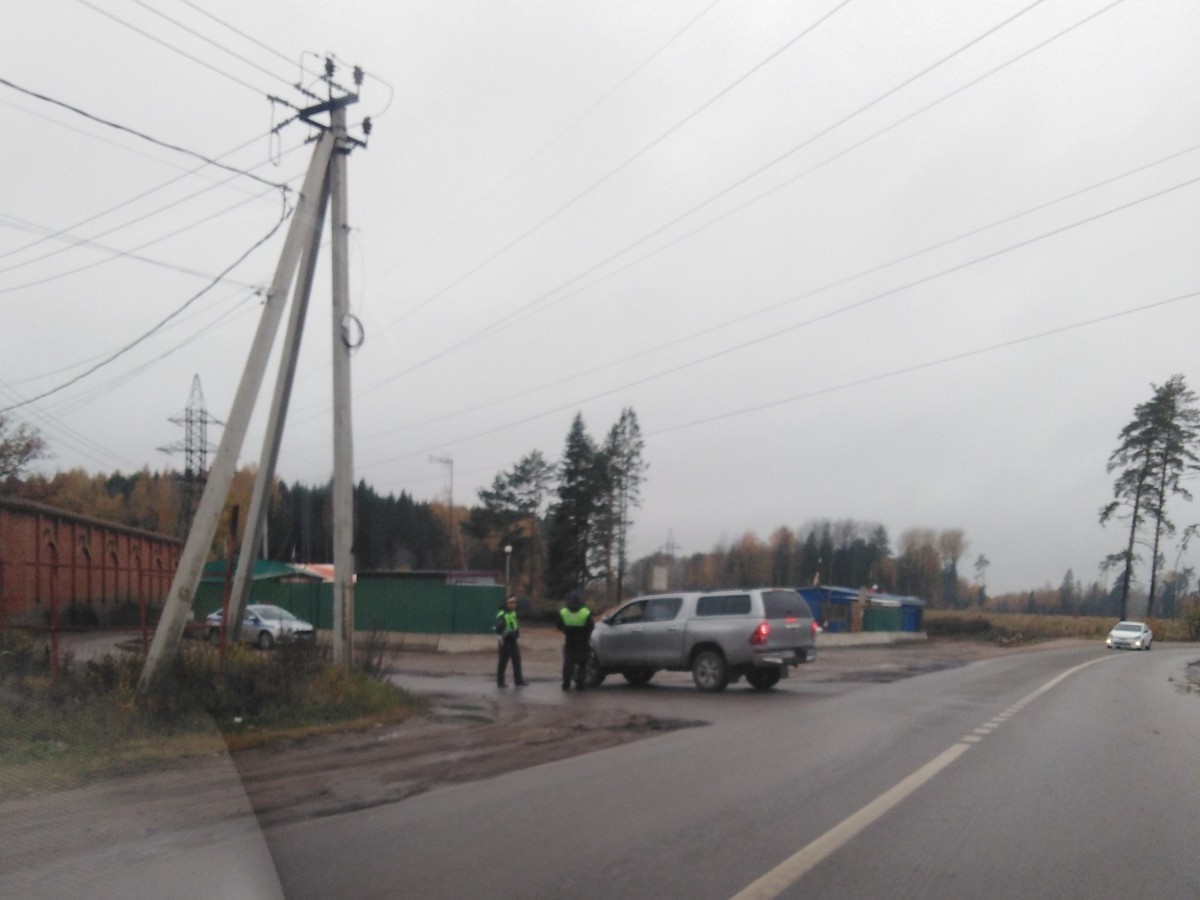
[[575, 622], [508, 633]]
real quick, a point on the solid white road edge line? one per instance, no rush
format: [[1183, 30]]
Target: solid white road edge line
[[792, 869]]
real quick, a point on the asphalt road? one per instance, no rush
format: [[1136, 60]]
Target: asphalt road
[[1067, 773]]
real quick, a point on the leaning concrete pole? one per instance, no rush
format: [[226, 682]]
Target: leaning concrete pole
[[343, 448], [260, 497], [178, 607]]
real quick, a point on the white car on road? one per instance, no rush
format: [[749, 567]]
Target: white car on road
[[1130, 636]]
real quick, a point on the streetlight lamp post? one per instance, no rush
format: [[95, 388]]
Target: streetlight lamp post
[[507, 557]]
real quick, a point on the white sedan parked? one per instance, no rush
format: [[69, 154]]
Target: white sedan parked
[[1130, 636], [264, 624]]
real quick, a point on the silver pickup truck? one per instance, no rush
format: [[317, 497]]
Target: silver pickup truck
[[719, 636]]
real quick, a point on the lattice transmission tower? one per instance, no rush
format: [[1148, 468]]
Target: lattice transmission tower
[[194, 446]]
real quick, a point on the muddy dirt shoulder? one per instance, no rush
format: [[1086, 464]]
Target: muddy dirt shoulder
[[489, 732]]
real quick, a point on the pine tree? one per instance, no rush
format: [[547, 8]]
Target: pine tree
[[1157, 448], [512, 509], [573, 517], [625, 469]]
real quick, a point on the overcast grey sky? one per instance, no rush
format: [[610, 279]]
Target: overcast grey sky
[[907, 263]]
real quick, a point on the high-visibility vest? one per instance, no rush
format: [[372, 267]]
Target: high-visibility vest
[[574, 618], [510, 619]]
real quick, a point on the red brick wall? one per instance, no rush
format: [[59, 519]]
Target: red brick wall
[[50, 559]]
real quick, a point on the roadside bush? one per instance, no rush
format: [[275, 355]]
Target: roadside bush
[[19, 656], [1191, 621], [377, 653], [956, 626], [89, 720], [1010, 627]]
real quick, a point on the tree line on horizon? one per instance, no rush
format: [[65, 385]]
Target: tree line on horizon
[[550, 526]]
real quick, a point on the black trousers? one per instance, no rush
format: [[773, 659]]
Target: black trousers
[[574, 665], [509, 650]]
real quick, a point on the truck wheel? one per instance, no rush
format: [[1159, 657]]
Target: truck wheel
[[593, 674], [709, 671], [638, 677], [763, 679], [265, 641]]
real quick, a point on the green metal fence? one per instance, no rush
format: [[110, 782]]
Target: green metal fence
[[381, 603]]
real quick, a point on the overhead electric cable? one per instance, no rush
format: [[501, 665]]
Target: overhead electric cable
[[87, 397], [559, 136], [809, 395], [69, 241], [64, 434], [240, 33], [113, 252], [133, 254], [928, 364], [529, 308], [558, 380], [241, 296], [829, 285], [112, 209], [858, 304], [127, 347], [167, 44], [628, 161], [110, 124], [217, 44]]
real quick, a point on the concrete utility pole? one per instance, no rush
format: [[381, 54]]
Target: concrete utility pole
[[323, 184], [343, 445], [260, 498], [178, 607]]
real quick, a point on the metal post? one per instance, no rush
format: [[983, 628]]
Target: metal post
[[230, 552]]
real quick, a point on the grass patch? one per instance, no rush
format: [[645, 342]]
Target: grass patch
[[89, 722], [1010, 628]]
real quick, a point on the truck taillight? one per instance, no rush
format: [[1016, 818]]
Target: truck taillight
[[761, 633]]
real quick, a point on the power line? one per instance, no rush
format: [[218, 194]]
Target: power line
[[929, 364], [72, 438], [127, 347], [531, 307], [153, 140], [133, 254], [829, 285], [69, 241], [808, 395], [174, 49], [100, 389], [238, 298], [778, 332], [298, 85], [628, 161], [554, 140], [213, 43], [141, 196]]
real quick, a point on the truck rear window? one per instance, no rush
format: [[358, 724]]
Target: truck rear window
[[785, 604], [724, 605]]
